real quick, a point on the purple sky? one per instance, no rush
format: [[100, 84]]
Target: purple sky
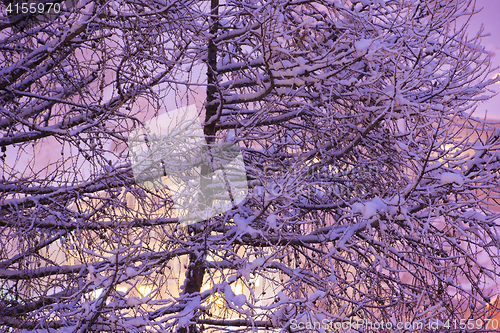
[[491, 22]]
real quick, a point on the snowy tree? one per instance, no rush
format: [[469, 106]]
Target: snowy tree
[[372, 187]]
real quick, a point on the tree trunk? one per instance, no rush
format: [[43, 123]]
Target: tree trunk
[[196, 270]]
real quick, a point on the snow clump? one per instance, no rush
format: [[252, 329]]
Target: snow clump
[[237, 300], [362, 46], [450, 177], [369, 208]]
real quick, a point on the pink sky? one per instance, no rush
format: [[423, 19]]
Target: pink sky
[[491, 22]]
